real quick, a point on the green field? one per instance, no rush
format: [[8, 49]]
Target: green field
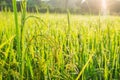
[[60, 47]]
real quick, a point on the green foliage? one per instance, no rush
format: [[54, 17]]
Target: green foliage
[[60, 47], [33, 3], [61, 6]]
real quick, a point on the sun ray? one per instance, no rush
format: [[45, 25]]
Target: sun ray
[[104, 7]]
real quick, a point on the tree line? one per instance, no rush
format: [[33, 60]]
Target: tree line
[[60, 6]]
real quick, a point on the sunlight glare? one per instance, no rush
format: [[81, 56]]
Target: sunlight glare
[[104, 5], [82, 1]]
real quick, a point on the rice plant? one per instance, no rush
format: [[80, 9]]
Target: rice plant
[[58, 46]]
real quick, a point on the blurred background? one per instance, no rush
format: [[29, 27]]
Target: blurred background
[[111, 7]]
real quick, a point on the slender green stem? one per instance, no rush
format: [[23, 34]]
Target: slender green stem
[[17, 28]]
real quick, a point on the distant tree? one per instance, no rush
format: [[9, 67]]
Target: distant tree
[[33, 3], [89, 6], [66, 4], [115, 7]]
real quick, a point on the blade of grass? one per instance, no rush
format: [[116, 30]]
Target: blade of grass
[[3, 44], [87, 63], [19, 52], [17, 28]]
